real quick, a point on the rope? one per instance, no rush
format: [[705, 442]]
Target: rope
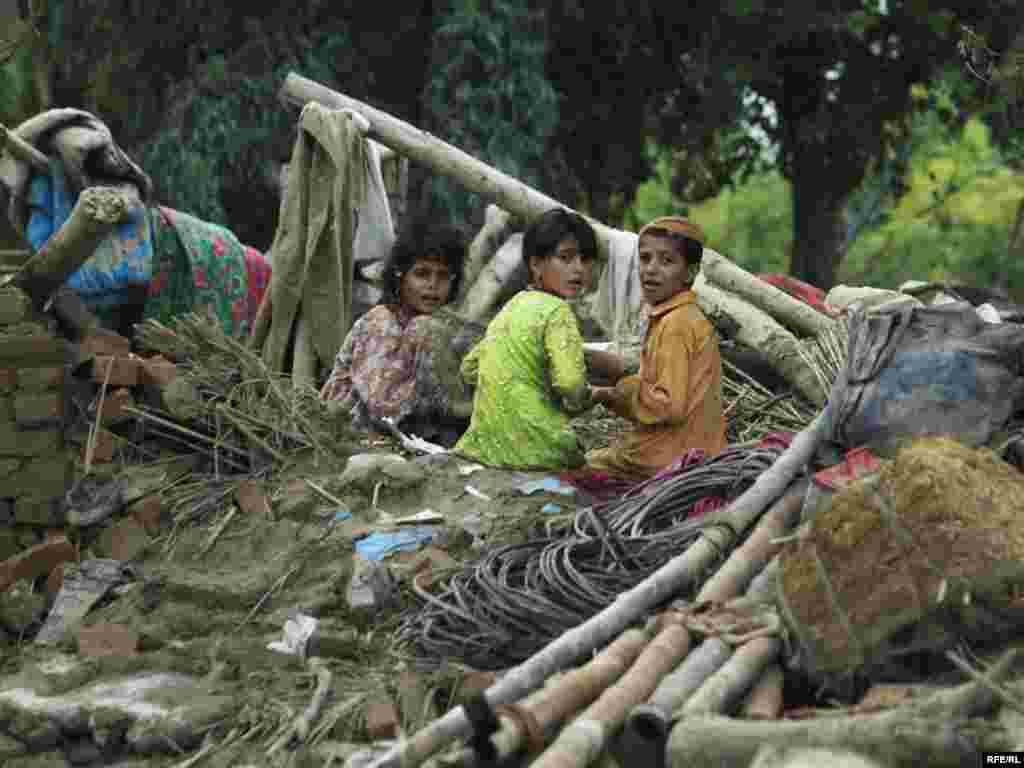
[[506, 606]]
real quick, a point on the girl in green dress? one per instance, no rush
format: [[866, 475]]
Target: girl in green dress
[[528, 371]]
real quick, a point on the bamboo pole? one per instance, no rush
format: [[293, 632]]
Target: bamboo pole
[[791, 312], [724, 689], [758, 330], [749, 558], [486, 243], [97, 212], [765, 702], [582, 741], [673, 577], [551, 705], [509, 193], [24, 151]]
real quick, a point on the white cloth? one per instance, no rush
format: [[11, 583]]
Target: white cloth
[[619, 299]]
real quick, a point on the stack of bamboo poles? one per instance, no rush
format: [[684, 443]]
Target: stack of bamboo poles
[[805, 346]]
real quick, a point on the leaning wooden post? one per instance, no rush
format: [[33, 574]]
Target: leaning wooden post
[[97, 212], [509, 193]]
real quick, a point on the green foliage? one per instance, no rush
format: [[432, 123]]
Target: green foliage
[[489, 95], [233, 122]]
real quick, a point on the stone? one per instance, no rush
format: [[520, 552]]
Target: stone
[[35, 561], [33, 442], [382, 720], [82, 752], [42, 476], [122, 371], [108, 639], [40, 379], [124, 540], [33, 351], [32, 411], [371, 589]]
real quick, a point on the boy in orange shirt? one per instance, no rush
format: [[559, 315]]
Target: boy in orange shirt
[[676, 399]]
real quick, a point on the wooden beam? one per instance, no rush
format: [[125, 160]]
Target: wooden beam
[[24, 151]]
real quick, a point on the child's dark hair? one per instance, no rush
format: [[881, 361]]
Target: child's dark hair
[[446, 245], [547, 231]]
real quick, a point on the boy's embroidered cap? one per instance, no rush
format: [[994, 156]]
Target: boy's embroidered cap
[[676, 225]]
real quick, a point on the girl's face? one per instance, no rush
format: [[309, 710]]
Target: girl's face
[[426, 285], [663, 269], [566, 272]]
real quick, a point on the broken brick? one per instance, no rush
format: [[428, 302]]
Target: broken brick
[[40, 379], [157, 371], [114, 404], [122, 371], [106, 343], [31, 411], [123, 540], [148, 512], [36, 561], [108, 639], [251, 499], [382, 721], [8, 378]]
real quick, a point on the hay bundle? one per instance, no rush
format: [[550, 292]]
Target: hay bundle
[[241, 413], [923, 556]]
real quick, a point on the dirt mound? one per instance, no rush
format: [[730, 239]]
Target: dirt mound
[[889, 550]]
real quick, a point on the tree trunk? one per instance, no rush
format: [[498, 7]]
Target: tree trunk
[[817, 229]]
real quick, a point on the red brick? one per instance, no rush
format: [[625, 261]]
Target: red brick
[[124, 540], [252, 500], [36, 561], [106, 343], [157, 371], [148, 513], [8, 378], [108, 639], [382, 720], [114, 404], [124, 371], [40, 379], [38, 410], [104, 448]]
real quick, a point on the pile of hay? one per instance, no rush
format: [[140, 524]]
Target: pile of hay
[[914, 560]]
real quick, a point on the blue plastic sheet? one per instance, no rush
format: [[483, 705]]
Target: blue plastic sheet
[[377, 546], [551, 484]]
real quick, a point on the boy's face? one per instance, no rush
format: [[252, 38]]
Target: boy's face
[[663, 269]]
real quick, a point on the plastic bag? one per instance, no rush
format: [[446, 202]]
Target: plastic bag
[[926, 370]]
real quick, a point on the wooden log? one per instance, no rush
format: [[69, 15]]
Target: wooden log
[[441, 157], [551, 705], [304, 359], [721, 692], [765, 701], [937, 731], [261, 323], [584, 739], [486, 243], [673, 577], [770, 756], [24, 151], [793, 313], [749, 558], [757, 330], [97, 212]]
